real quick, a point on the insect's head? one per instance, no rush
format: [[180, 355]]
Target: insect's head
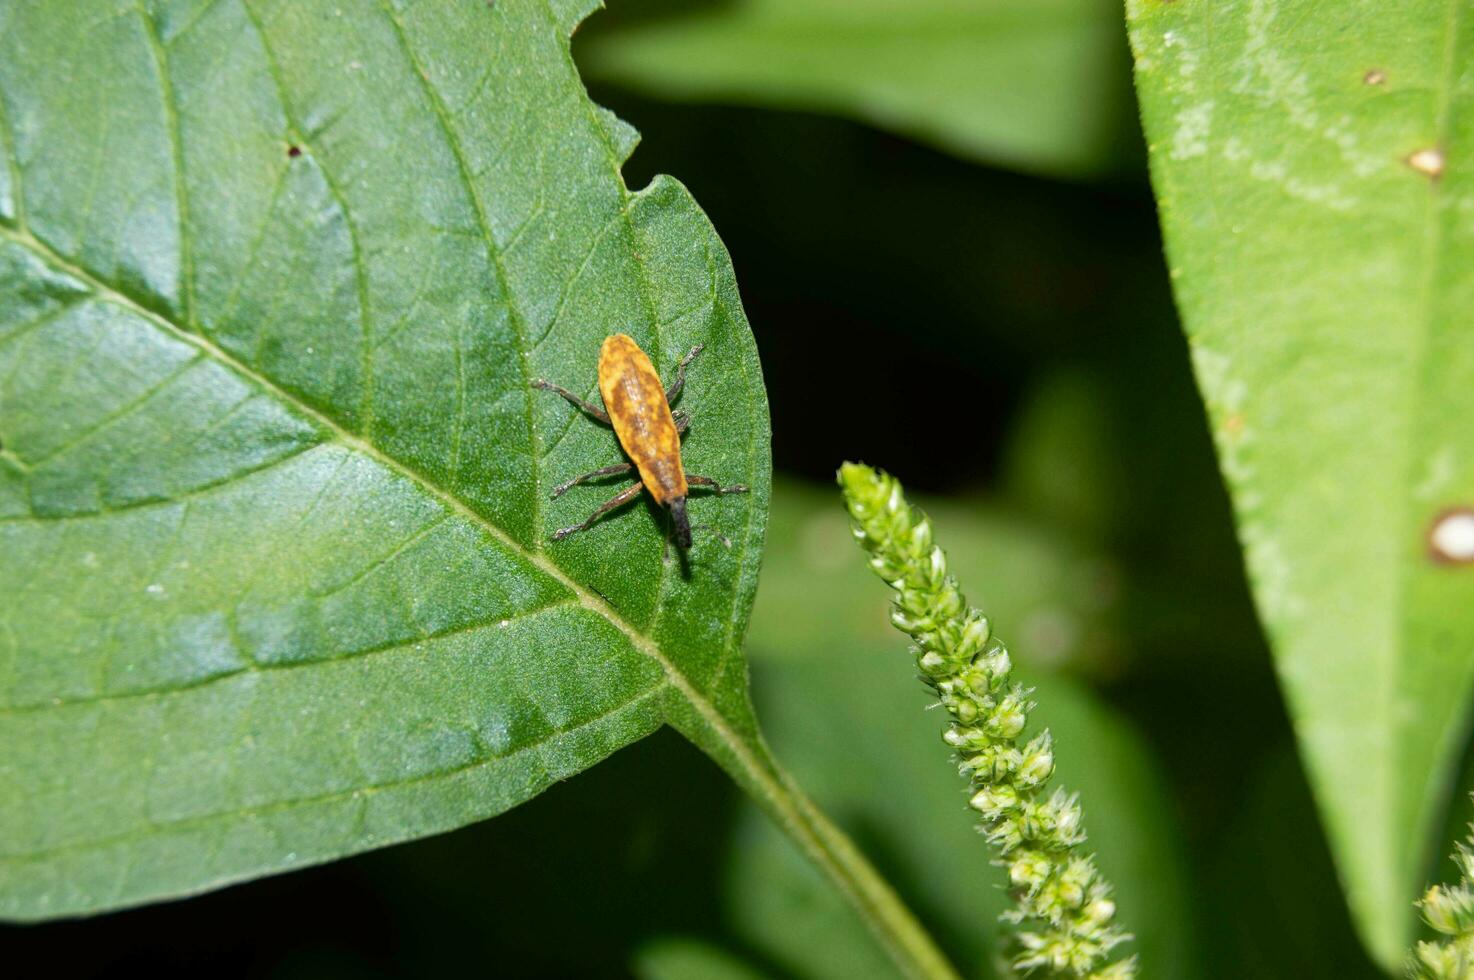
[[678, 519]]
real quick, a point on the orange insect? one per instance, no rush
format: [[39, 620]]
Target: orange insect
[[649, 432]]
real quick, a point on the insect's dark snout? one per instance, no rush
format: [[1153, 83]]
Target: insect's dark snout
[[680, 522]]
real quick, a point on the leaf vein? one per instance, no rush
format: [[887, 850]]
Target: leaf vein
[[36, 323], [1433, 248], [185, 823], [120, 413], [12, 160], [514, 310], [183, 495], [257, 667], [176, 149], [572, 281], [366, 401]]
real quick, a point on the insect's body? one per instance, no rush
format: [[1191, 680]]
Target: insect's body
[[635, 401], [650, 433]]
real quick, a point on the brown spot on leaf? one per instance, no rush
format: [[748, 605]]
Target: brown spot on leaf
[[1451, 537], [294, 151], [1234, 424], [1427, 161], [1374, 76]]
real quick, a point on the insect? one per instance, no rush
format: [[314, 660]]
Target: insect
[[648, 431]]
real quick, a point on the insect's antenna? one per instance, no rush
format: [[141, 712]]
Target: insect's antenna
[[720, 536]]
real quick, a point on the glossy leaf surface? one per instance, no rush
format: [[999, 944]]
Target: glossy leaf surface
[[276, 582]]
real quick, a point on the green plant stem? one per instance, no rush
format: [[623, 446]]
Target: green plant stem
[[909, 945], [752, 766]]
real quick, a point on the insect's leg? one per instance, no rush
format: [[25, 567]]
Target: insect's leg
[[682, 420], [597, 413], [706, 481], [680, 382], [618, 500], [567, 485], [726, 541]]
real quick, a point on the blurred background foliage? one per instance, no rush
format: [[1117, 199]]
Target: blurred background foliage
[[973, 297]]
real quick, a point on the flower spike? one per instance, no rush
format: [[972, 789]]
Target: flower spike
[[1062, 923]]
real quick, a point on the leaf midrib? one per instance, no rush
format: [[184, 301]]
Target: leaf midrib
[[752, 766], [1433, 238]]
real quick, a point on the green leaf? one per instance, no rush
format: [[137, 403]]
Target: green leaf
[[1035, 84], [683, 958], [1314, 179], [276, 582], [844, 709]]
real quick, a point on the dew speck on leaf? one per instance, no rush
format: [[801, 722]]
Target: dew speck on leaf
[[1451, 538]]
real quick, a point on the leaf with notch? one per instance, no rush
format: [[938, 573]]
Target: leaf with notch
[[275, 578]]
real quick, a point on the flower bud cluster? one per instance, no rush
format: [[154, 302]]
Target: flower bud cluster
[[1449, 910], [1063, 920]]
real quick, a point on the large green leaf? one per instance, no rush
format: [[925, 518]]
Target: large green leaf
[[1312, 163], [276, 582], [841, 705], [1036, 84]]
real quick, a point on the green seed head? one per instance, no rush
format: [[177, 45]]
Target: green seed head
[[1059, 894]]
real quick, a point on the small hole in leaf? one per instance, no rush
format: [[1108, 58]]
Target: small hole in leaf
[[1451, 537], [294, 151]]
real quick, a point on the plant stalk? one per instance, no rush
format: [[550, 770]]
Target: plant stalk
[[750, 763], [909, 945]]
